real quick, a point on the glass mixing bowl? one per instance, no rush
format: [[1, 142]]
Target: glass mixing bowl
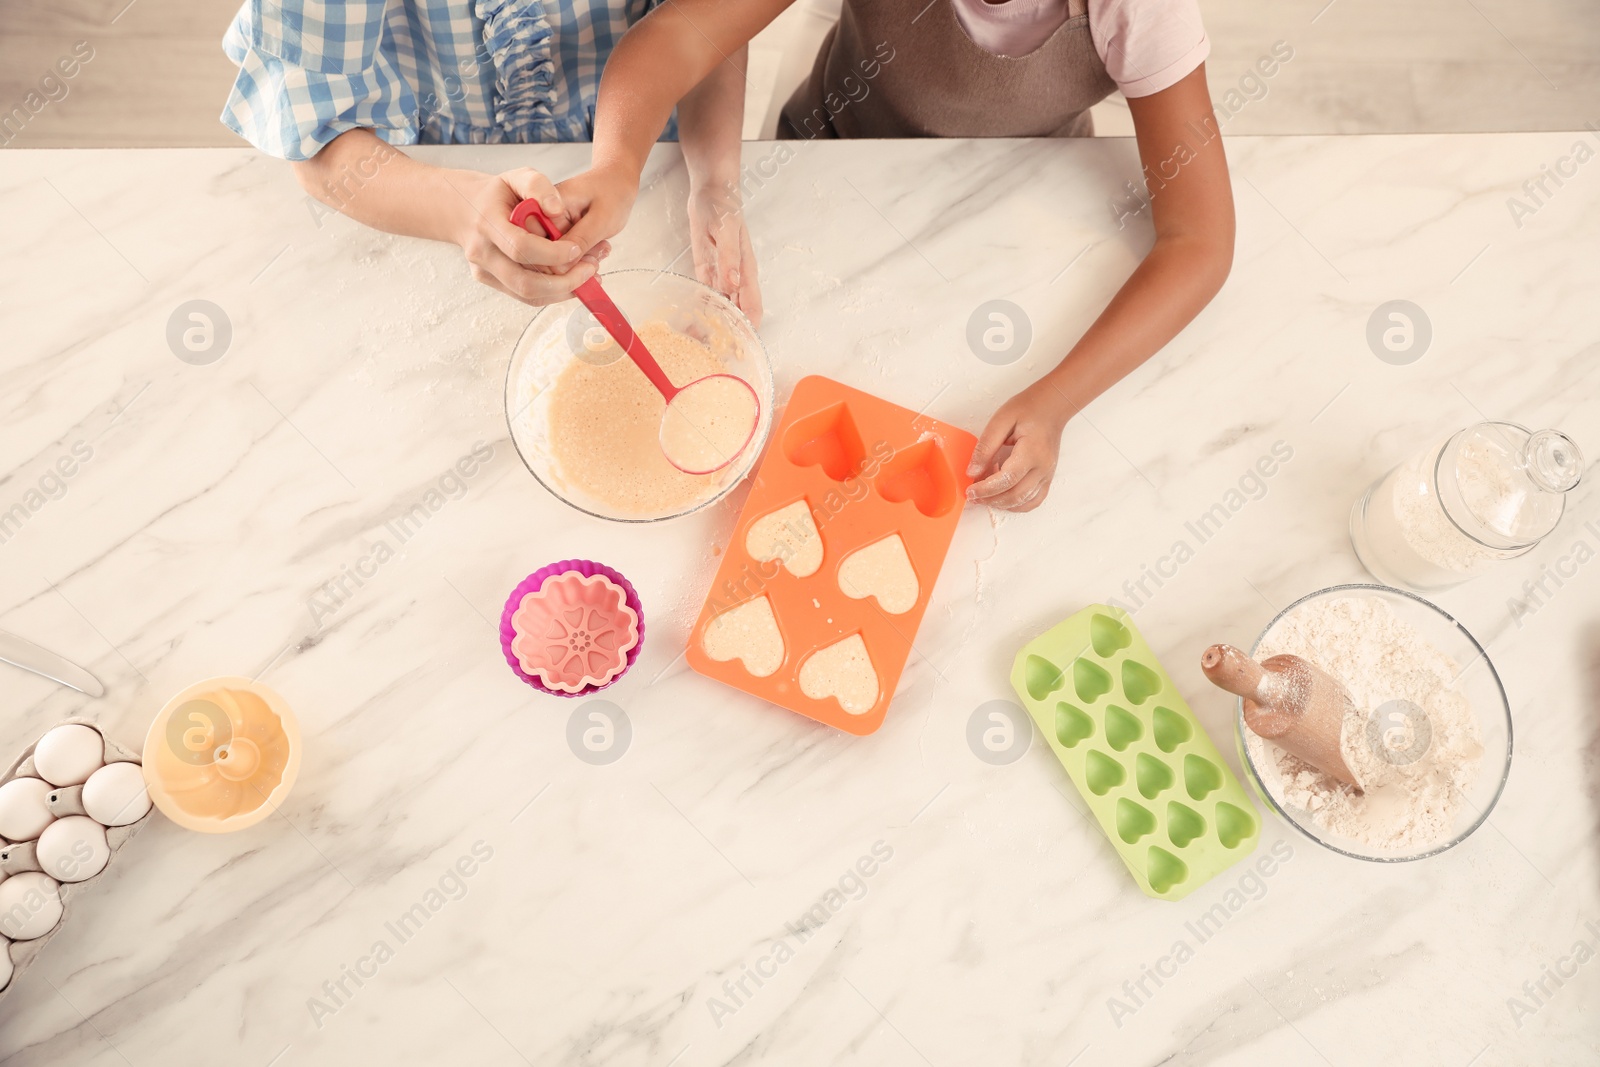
[[1479, 682], [564, 332]]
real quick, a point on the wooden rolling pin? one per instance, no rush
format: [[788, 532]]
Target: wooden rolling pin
[[1290, 701]]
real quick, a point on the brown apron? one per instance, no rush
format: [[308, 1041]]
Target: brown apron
[[906, 68]]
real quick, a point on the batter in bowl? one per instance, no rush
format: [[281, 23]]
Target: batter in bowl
[[605, 427], [708, 423]]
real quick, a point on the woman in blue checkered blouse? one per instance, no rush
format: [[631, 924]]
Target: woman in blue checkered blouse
[[334, 86]]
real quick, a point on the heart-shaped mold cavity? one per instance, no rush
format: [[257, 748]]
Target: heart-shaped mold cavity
[[843, 671], [1122, 729], [1103, 773], [1107, 635], [1200, 776], [1090, 681], [1133, 821], [1184, 824], [1171, 729], [1139, 682], [1072, 725], [1233, 825], [748, 633], [1152, 775], [922, 475], [788, 535], [827, 439], [1164, 869], [883, 571], [1041, 677]]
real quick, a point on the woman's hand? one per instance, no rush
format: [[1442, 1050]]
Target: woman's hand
[[518, 262], [1030, 424], [723, 257], [373, 182]]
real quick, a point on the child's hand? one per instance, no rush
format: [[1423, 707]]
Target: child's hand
[[723, 257], [509, 258], [600, 201], [1030, 423]]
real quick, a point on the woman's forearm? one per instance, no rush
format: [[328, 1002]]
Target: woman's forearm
[[377, 185], [711, 123], [360, 175]]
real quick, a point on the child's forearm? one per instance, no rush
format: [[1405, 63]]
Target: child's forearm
[[361, 176], [1191, 206], [711, 123], [1176, 280], [656, 64]]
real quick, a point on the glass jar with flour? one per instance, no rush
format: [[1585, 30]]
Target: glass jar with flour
[[1489, 492]]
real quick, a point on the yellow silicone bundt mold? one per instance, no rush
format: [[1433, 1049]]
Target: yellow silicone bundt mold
[[222, 755]]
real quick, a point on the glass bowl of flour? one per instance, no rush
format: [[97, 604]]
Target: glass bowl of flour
[[586, 421], [1431, 740]]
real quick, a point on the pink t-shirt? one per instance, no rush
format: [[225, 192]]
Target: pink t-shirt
[[1146, 45]]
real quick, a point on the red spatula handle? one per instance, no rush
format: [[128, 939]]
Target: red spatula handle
[[600, 305]]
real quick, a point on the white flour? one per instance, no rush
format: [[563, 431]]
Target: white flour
[[1418, 769], [1488, 491]]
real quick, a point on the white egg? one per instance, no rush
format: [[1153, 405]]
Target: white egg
[[5, 963], [73, 849], [115, 794], [24, 808], [30, 906], [68, 754]]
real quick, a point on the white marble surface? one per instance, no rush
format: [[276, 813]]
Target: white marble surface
[[619, 898]]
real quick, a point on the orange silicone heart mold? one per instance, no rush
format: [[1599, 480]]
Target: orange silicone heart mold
[[827, 439], [866, 470], [922, 475]]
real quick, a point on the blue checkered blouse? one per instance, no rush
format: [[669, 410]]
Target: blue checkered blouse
[[419, 71]]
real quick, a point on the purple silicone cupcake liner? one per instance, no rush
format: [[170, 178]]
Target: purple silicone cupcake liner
[[588, 568]]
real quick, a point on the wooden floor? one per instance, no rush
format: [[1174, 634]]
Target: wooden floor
[[157, 76]]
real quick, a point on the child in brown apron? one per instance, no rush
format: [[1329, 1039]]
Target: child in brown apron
[[970, 68]]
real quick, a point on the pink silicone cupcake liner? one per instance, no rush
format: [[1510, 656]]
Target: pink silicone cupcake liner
[[534, 583]]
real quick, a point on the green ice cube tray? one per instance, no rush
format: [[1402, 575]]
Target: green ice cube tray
[[1157, 785]]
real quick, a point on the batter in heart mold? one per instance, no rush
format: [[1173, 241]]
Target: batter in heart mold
[[788, 535], [748, 633], [842, 671], [605, 427], [882, 570]]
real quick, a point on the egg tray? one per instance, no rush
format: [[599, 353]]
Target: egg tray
[[1154, 780], [23, 953], [866, 469]]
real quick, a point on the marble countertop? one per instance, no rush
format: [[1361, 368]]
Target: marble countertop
[[653, 910]]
